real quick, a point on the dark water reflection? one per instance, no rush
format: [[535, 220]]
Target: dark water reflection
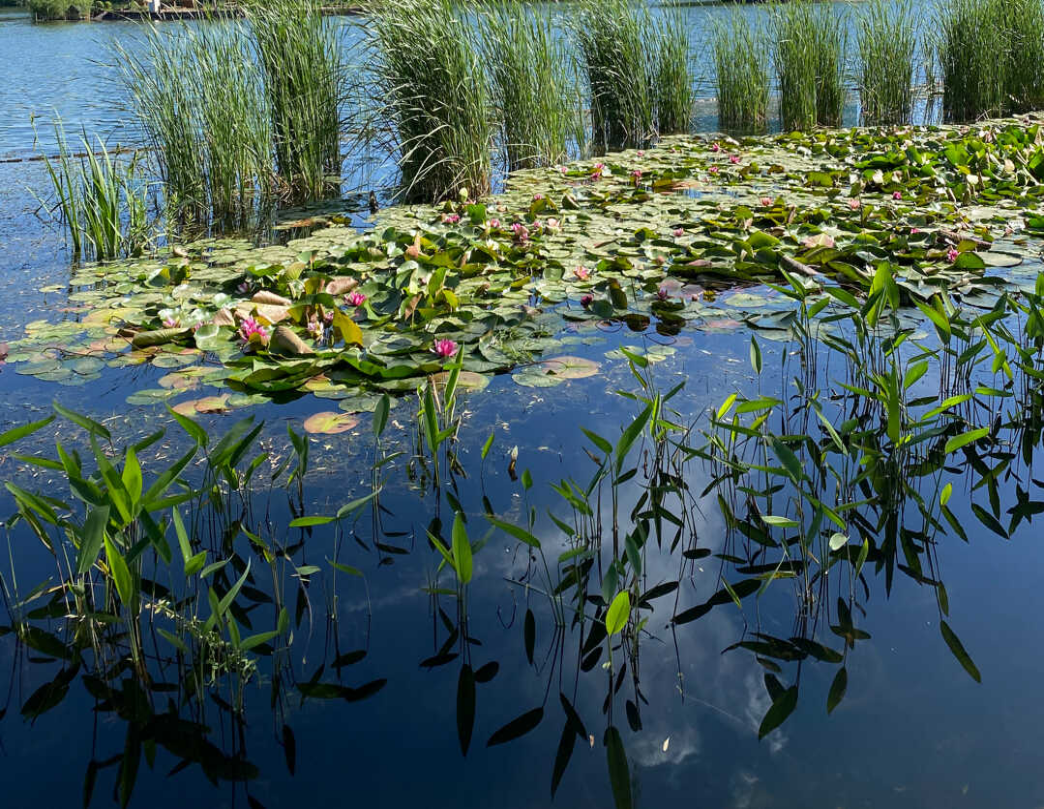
[[912, 731]]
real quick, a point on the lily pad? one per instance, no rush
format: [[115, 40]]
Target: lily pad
[[330, 423]]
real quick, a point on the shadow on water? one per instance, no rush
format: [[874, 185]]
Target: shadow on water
[[211, 605]]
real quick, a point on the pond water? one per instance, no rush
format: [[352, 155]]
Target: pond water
[[398, 661]]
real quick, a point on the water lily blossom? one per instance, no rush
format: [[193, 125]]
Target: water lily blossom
[[444, 348], [252, 331], [582, 273], [734, 158], [952, 254], [766, 202], [897, 195], [552, 224], [493, 223], [586, 301], [355, 298], [854, 204], [662, 293], [679, 232], [713, 169], [451, 218], [171, 323], [715, 147]]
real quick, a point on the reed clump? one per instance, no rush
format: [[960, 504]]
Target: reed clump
[[201, 104], [886, 43], [829, 42], [673, 81], [796, 64], [99, 198], [1024, 68], [431, 97], [972, 46], [619, 68], [742, 74], [305, 80], [534, 92]]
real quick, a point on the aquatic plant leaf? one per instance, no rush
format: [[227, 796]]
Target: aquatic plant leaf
[[461, 549], [959, 651], [565, 751], [618, 614], [92, 538], [18, 433], [781, 708], [517, 727], [837, 689], [619, 773], [330, 423], [465, 707]]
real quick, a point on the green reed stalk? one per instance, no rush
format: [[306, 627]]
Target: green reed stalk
[[613, 38], [430, 93], [886, 43], [972, 51], [200, 99], [305, 78], [796, 63], [673, 81], [829, 43], [1024, 71], [741, 67], [533, 90]]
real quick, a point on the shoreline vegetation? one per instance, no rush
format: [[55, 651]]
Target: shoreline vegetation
[[44, 11]]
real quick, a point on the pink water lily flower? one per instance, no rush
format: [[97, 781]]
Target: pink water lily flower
[[563, 169], [451, 218], [897, 195], [243, 288], [662, 293], [537, 197], [637, 174], [250, 328], [679, 232], [586, 301], [444, 348], [552, 224], [355, 298], [582, 273], [493, 223], [641, 153], [854, 204], [952, 254], [521, 231], [766, 202], [914, 231], [734, 158], [171, 323], [315, 328], [715, 147]]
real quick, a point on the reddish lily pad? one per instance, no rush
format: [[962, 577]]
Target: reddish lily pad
[[330, 423]]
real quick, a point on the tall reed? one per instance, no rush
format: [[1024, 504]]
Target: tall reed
[[613, 38], [673, 81], [305, 79], [1024, 70], [99, 199], [200, 100], [431, 94], [886, 43], [741, 67], [534, 91], [796, 63], [972, 52], [829, 36]]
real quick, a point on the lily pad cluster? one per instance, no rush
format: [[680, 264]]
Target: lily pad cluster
[[645, 240]]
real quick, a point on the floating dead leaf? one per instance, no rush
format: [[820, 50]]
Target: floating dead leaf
[[340, 285], [330, 423], [208, 404], [270, 298], [284, 341], [223, 317]]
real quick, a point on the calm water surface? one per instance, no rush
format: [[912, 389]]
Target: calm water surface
[[913, 731]]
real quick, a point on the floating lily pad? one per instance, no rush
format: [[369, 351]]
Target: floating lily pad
[[330, 423], [208, 404]]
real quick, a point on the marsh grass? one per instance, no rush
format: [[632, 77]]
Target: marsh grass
[[741, 68], [796, 63], [1024, 68], [534, 90], [972, 46], [830, 44], [199, 98], [613, 40], [305, 79], [673, 80], [430, 94], [886, 44], [99, 199]]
